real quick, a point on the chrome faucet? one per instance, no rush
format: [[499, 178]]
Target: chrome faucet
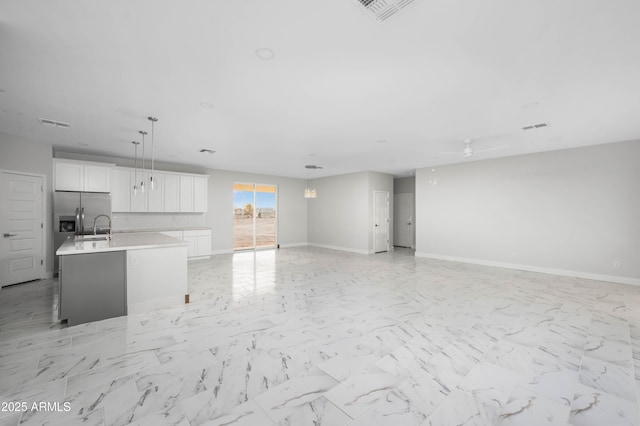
[[96, 229]]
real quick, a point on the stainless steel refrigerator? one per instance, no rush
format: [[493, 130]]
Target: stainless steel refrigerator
[[74, 214]]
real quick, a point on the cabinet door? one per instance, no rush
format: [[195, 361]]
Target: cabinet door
[[121, 187], [200, 194], [186, 193], [171, 193], [204, 245], [139, 200], [97, 178], [69, 176], [156, 195], [192, 244]]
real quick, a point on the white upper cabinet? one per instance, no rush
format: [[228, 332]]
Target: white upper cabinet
[[121, 190], [70, 175], [173, 193], [186, 193], [156, 196], [200, 189]]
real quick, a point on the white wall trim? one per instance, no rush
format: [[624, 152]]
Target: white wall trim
[[351, 250], [544, 270], [291, 245]]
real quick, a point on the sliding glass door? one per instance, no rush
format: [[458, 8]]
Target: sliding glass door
[[254, 216]]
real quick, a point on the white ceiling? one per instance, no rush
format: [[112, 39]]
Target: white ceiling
[[343, 91]]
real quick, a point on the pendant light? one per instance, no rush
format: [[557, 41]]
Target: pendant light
[[153, 154], [308, 191], [135, 173], [143, 133]]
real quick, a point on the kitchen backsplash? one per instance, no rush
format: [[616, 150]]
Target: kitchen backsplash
[[142, 221]]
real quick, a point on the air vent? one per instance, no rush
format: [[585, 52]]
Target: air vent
[[312, 167], [54, 123], [208, 151], [384, 9], [536, 126]]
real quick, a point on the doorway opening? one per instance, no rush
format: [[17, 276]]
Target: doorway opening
[[254, 216]]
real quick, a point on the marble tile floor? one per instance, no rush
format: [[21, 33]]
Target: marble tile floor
[[309, 336]]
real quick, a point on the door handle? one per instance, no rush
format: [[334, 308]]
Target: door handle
[[7, 235], [409, 223], [82, 222], [77, 221]]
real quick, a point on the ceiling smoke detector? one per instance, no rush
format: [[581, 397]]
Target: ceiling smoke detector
[[54, 123], [384, 9]]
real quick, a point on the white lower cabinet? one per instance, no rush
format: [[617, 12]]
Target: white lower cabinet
[[198, 241]]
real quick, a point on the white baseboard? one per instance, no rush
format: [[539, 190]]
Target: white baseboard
[[349, 249], [544, 270], [291, 245]]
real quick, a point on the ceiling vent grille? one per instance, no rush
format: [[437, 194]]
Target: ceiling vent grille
[[384, 9], [535, 126], [54, 123]]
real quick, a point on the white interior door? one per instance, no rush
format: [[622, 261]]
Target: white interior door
[[380, 221], [403, 220], [22, 227]]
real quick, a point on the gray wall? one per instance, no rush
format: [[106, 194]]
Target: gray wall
[[570, 212], [21, 155], [339, 217], [342, 215], [292, 207]]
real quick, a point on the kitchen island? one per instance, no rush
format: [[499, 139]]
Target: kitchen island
[[130, 273]]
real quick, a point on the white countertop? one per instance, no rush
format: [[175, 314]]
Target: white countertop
[[119, 242], [192, 228]]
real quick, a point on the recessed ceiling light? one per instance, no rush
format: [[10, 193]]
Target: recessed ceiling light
[[265, 53], [381, 141], [206, 105], [208, 151]]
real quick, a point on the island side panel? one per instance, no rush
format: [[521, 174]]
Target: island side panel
[[156, 278], [92, 286]]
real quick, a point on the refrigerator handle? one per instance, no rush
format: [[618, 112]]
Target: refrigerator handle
[[82, 222], [77, 220]]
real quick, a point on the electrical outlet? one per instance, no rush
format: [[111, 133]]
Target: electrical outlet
[[617, 264]]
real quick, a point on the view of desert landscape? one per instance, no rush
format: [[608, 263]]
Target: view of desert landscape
[[243, 232]]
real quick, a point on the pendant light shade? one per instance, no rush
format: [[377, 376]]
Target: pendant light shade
[[142, 180], [135, 173], [152, 182], [310, 192]]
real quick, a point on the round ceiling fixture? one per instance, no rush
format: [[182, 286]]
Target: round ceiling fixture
[[265, 53]]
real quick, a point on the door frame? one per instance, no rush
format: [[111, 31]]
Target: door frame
[[397, 217], [277, 207], [45, 219], [386, 194]]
